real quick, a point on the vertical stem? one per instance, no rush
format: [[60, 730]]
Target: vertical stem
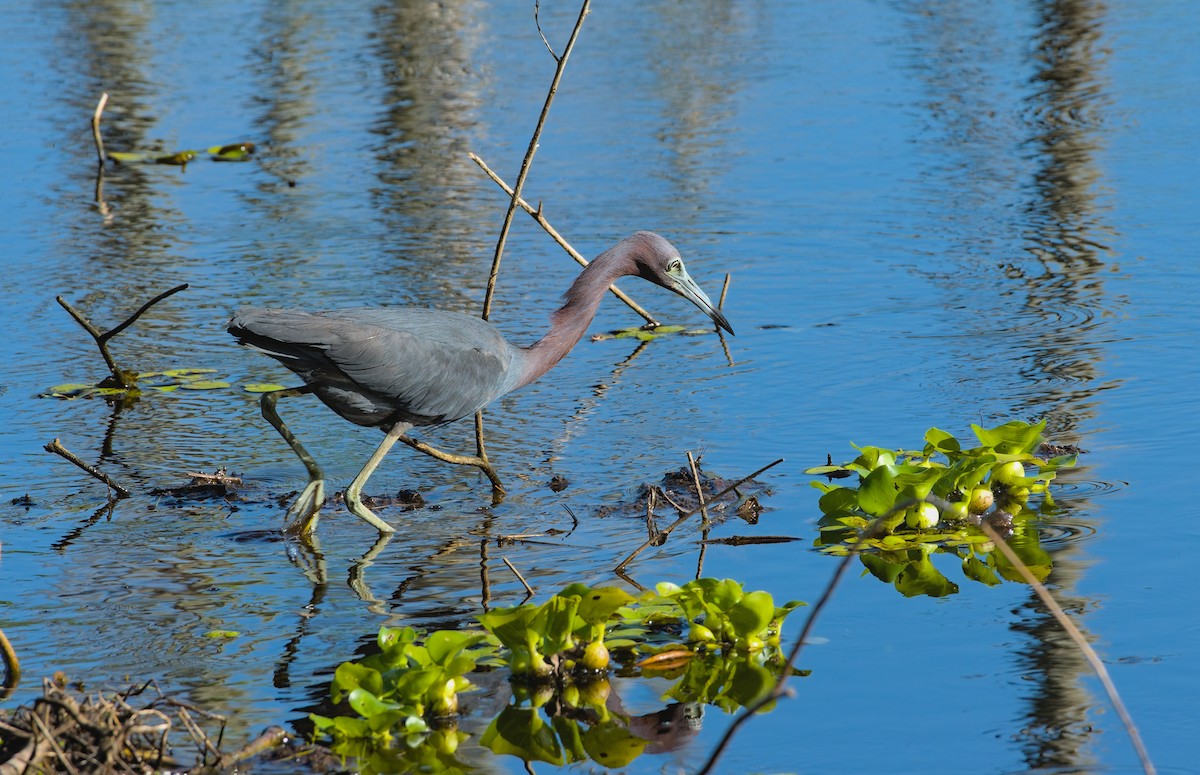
[[528, 161], [96, 129]]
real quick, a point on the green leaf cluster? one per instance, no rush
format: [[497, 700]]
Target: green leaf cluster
[[884, 511], [717, 613], [565, 634], [558, 655], [401, 686]]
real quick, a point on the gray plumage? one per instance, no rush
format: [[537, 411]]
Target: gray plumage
[[399, 367], [378, 366]]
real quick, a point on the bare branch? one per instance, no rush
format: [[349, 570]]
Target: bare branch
[[537, 215], [122, 378], [57, 448], [538, 22], [520, 578], [528, 161], [1088, 652]]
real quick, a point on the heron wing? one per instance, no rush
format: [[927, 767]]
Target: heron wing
[[373, 365]]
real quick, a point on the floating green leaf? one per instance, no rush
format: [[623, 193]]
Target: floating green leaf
[[222, 634], [262, 387], [204, 384]]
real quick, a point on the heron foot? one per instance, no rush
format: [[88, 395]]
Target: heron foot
[[304, 512], [358, 508]]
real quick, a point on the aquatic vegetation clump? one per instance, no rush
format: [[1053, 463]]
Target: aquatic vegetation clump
[[907, 504]]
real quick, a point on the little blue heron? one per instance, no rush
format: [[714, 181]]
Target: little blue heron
[[396, 368]]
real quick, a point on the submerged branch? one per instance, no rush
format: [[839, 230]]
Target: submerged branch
[[122, 378], [96, 130], [58, 449], [520, 578]]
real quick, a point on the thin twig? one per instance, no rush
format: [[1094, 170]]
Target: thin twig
[[574, 519], [1089, 653], [696, 480], [520, 578], [103, 337], [662, 535], [96, 129], [527, 162], [724, 290], [785, 672], [50, 738], [651, 321], [740, 482], [141, 310], [57, 448], [538, 22]]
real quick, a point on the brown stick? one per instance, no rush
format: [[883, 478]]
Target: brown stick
[[785, 672], [528, 160], [658, 539], [537, 215], [96, 129], [103, 337], [520, 578], [696, 481], [1088, 652], [57, 448]]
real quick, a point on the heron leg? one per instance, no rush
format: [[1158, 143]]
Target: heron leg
[[354, 490], [305, 510], [498, 491]]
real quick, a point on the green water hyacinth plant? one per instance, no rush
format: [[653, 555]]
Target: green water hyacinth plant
[[564, 634], [920, 502], [718, 642], [403, 685], [718, 613]]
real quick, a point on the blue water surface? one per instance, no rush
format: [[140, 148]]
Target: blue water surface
[[932, 213]]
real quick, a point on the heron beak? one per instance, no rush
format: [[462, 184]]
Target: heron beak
[[686, 287]]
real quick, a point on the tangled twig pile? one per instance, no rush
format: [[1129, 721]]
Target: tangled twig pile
[[102, 733]]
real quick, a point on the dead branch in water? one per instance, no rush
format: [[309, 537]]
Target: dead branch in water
[[96, 129], [58, 449], [121, 378], [660, 537]]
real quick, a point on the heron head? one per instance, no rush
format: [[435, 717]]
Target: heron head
[[658, 261]]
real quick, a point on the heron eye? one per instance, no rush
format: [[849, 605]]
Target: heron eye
[[675, 265]]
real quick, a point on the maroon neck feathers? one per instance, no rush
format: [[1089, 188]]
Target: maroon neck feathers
[[570, 321]]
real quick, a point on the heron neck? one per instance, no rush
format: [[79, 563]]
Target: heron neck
[[570, 322]]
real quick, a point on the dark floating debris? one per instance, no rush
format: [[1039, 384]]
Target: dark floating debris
[[558, 483], [202, 486], [407, 500], [677, 489], [1058, 450]]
